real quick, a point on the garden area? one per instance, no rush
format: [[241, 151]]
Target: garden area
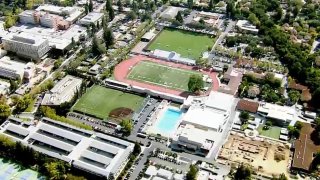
[[269, 131]]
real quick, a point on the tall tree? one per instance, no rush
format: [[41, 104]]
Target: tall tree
[[211, 5], [96, 46], [192, 173], [179, 17], [108, 37], [120, 6], [111, 14], [90, 6], [5, 111], [190, 4]]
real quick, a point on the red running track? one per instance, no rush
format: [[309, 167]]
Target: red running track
[[122, 70]]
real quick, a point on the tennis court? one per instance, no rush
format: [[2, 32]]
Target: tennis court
[[12, 171]]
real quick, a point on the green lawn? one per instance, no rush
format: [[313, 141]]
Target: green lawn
[[188, 44], [153, 73], [99, 101], [273, 132]]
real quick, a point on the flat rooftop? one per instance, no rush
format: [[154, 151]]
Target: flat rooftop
[[94, 152], [63, 91], [25, 38], [14, 66]]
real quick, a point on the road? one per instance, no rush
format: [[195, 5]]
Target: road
[[223, 34]]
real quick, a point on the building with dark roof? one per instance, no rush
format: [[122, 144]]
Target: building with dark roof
[[304, 149], [247, 105]]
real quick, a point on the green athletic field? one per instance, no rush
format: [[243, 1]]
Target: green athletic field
[[100, 101], [188, 44], [153, 73]]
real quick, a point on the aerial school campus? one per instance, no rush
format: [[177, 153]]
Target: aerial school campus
[[157, 91]]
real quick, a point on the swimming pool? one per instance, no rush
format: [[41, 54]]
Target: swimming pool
[[168, 121]]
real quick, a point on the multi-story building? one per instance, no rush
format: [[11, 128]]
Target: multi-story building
[[29, 17], [16, 70], [91, 18], [96, 153], [26, 45], [62, 92]]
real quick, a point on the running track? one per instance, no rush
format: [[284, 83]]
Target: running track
[[122, 70]]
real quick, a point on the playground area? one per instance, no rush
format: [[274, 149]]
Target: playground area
[[159, 75], [12, 171], [265, 157]]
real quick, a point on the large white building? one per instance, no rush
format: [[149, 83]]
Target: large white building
[[91, 18], [26, 45], [63, 91], [96, 153], [281, 115], [203, 122], [16, 70], [246, 26], [71, 14]]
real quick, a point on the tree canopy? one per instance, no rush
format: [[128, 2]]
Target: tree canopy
[[243, 173], [192, 173], [195, 83]]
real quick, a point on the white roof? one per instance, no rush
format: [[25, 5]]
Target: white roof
[[15, 66], [165, 173], [193, 134], [92, 17], [277, 112], [100, 156], [63, 91], [219, 101], [151, 171], [170, 12], [204, 117]]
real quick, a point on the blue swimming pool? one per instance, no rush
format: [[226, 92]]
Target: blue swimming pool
[[168, 122]]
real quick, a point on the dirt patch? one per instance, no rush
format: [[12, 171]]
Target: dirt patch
[[121, 113]]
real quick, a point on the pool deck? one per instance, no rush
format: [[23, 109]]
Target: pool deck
[[156, 117]]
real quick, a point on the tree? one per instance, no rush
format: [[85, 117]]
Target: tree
[[96, 48], [5, 111], [281, 177], [179, 17], [126, 126], [316, 97], [192, 173], [202, 62], [120, 6], [111, 14], [90, 6], [244, 117], [190, 4], [243, 173], [294, 96], [211, 4], [136, 149], [13, 85], [195, 83], [132, 15], [108, 37]]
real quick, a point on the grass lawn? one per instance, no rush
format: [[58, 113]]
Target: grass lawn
[[188, 44], [99, 101], [273, 132], [153, 73]]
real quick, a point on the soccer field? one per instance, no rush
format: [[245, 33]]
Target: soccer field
[[188, 44], [100, 101], [157, 74]]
